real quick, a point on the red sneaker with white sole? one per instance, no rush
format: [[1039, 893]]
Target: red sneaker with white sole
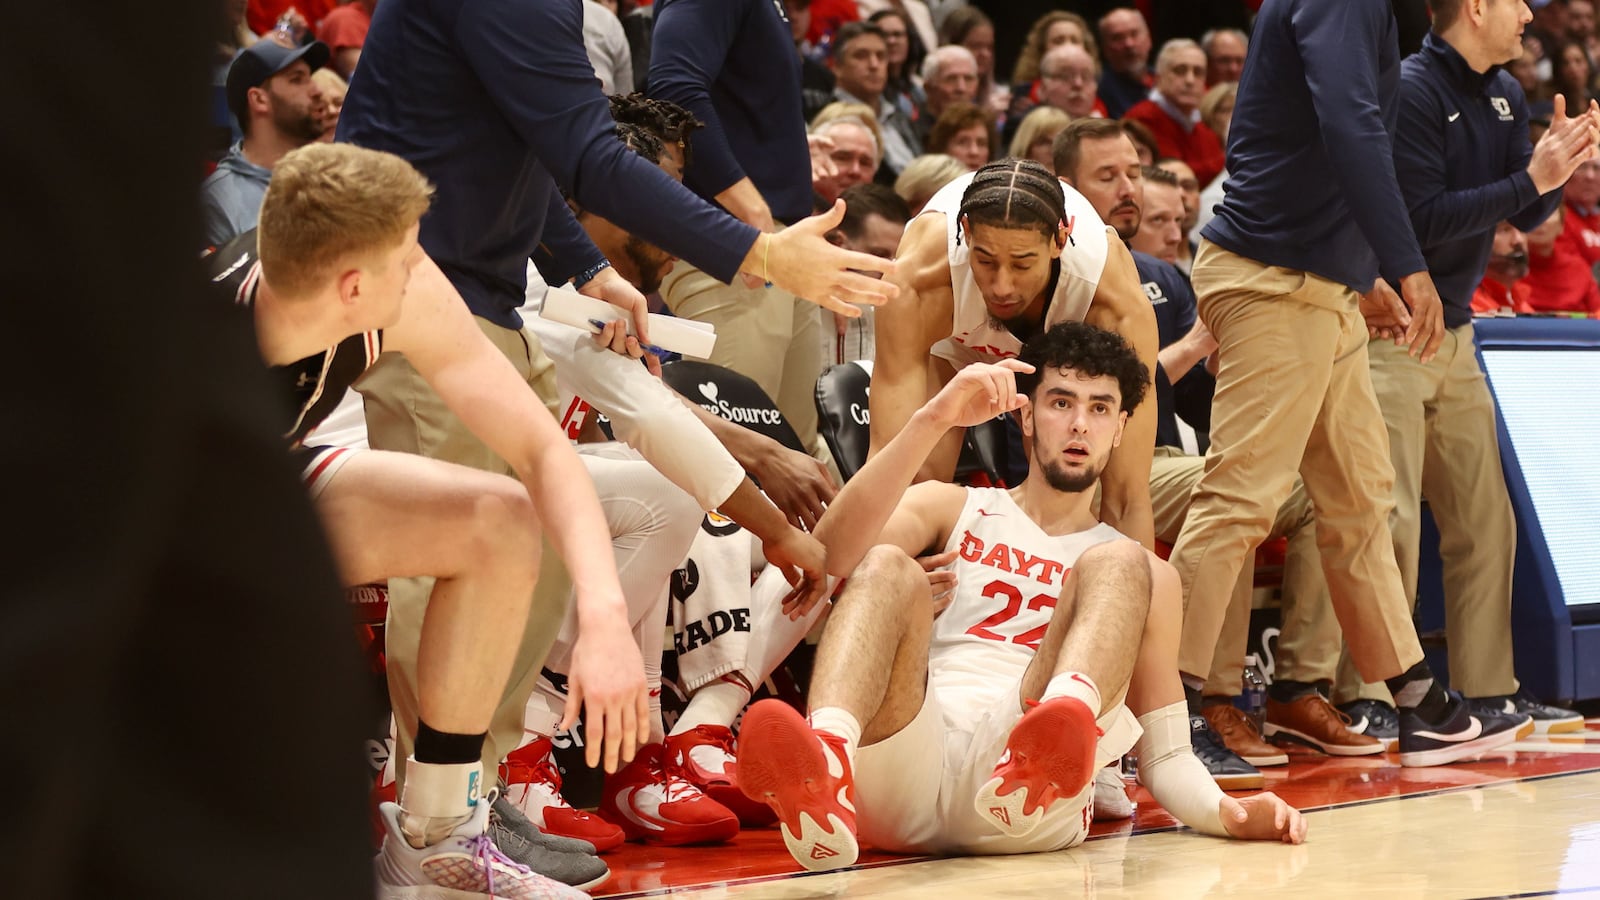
[[1049, 756], [533, 784], [653, 803], [705, 757], [805, 777]]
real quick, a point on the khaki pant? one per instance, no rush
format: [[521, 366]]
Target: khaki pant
[[1309, 636], [404, 414], [1442, 439], [765, 334], [1293, 394]]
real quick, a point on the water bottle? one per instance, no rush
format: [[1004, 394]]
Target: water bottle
[[283, 31], [1254, 698]]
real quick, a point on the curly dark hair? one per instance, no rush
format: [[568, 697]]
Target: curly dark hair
[[669, 122], [1089, 351], [639, 140]]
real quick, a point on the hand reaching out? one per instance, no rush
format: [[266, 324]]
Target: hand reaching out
[[978, 393], [800, 260], [607, 684], [804, 563]]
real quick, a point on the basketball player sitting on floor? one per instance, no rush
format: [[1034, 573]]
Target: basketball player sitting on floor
[[976, 729]]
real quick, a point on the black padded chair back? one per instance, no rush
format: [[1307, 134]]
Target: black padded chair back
[[842, 417], [731, 396]]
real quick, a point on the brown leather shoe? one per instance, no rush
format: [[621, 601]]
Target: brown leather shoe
[[1239, 733], [1312, 720]]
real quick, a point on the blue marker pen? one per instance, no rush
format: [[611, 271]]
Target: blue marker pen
[[649, 348]]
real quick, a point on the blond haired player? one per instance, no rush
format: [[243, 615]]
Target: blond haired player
[[331, 277]]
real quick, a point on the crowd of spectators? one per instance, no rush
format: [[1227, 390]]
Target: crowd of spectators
[[896, 100]]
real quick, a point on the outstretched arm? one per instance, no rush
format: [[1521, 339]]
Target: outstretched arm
[[856, 519], [439, 337], [1120, 305], [1167, 765]]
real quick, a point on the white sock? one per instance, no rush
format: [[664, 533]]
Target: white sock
[[839, 723], [1077, 686], [436, 798], [718, 703], [652, 682]]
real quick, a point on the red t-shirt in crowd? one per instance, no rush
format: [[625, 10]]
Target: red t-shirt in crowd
[[1199, 147], [1564, 280], [1491, 297], [345, 26], [262, 15], [828, 15]]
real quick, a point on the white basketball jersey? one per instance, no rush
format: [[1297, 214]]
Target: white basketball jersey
[[973, 338], [1009, 574]]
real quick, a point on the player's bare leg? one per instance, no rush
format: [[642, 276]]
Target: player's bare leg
[[399, 515], [872, 668], [1090, 646]]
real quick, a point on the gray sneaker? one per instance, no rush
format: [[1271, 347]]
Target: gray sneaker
[[518, 822], [579, 867]]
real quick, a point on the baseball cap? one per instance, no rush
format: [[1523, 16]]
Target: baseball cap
[[1538, 4], [264, 59]]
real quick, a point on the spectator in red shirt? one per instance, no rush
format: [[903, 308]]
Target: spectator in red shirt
[[344, 30], [1561, 272], [263, 14], [1172, 112], [1503, 291]]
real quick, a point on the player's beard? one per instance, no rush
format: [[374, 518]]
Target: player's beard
[[1066, 480]]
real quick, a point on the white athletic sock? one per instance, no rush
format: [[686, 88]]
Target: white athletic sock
[[718, 703], [1075, 685], [839, 723], [652, 682], [436, 798]]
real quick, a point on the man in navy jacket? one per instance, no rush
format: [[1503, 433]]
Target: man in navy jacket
[[1464, 164], [732, 63], [1312, 216]]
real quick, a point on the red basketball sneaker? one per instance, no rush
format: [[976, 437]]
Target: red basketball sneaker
[[1050, 755], [705, 757], [533, 784], [805, 777], [653, 803]]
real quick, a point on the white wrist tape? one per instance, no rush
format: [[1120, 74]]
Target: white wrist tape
[[1178, 781]]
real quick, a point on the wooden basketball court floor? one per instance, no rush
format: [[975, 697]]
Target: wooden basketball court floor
[[1524, 822]]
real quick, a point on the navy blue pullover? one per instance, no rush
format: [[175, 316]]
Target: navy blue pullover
[[496, 103], [1173, 301], [1462, 158], [1311, 183], [733, 64]]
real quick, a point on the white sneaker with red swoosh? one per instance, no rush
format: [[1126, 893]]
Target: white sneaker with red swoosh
[[651, 802], [804, 775]]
